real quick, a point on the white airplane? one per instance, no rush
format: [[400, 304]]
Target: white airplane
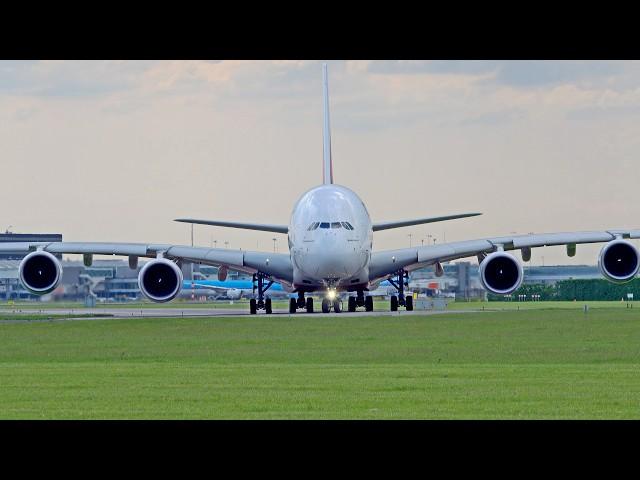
[[330, 253]]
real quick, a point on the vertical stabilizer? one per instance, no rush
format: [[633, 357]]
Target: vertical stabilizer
[[327, 166]]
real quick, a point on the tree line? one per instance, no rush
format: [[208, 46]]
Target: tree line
[[596, 289]]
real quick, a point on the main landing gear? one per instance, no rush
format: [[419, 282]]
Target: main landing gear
[[331, 302], [300, 302], [402, 280], [360, 301], [261, 303]]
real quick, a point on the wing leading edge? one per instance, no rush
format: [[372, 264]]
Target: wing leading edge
[[248, 226], [419, 221], [276, 265], [388, 261]]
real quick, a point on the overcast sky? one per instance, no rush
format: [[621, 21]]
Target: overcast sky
[[114, 151]]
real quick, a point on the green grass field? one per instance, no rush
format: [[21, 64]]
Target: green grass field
[[544, 361], [382, 305]]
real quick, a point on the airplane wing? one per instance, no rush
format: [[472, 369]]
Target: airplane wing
[[248, 226], [214, 288], [276, 265], [419, 221], [386, 262]]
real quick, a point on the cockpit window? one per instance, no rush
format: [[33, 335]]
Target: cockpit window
[[347, 225], [315, 225]]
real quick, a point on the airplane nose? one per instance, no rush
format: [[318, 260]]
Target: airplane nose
[[335, 265], [331, 259]]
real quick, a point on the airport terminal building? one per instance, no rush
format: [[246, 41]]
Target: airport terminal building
[[26, 237]]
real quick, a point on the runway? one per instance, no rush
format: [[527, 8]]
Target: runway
[[60, 314]]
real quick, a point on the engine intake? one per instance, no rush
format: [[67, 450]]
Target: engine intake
[[40, 272], [619, 261], [234, 294], [160, 280], [501, 273]]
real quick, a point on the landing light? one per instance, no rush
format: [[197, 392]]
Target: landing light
[[331, 294]]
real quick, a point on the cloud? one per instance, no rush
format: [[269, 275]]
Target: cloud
[[127, 146], [509, 72], [401, 90], [69, 79]]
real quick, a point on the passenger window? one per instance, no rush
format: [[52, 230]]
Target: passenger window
[[324, 225], [336, 225]]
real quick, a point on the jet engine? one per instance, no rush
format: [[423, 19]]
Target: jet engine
[[40, 272], [234, 294], [619, 261], [160, 280], [500, 273]]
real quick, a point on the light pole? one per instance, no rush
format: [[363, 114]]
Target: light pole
[[193, 289], [226, 244], [274, 244], [429, 237], [215, 244], [7, 231], [409, 239]]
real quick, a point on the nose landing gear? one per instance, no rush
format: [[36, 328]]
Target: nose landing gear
[[402, 280], [328, 304]]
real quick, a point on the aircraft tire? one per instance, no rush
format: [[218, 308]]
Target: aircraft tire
[[267, 306], [409, 303], [394, 303], [325, 305], [368, 303], [309, 305], [252, 306], [293, 304], [337, 306], [352, 304]]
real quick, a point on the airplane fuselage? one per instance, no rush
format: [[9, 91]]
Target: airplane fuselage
[[330, 240]]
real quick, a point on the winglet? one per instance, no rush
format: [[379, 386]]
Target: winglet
[[327, 171]]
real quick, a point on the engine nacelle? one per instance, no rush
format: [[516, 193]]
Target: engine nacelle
[[160, 280], [500, 273], [234, 294], [40, 272], [619, 261]]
